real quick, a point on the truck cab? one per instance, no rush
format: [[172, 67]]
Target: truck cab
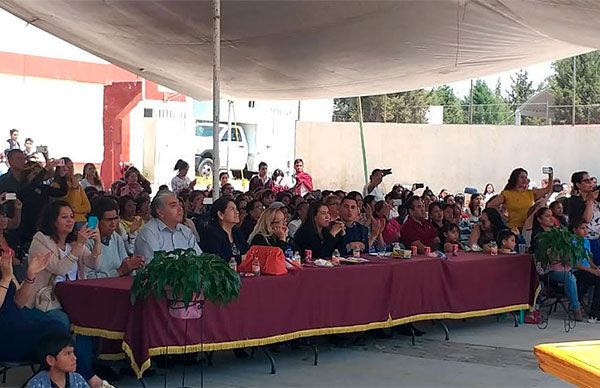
[[233, 148]]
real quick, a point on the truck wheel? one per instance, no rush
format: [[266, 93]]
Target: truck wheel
[[205, 168]]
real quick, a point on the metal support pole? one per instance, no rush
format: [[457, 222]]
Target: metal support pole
[[216, 93], [229, 131], [471, 104], [362, 139], [574, 88]]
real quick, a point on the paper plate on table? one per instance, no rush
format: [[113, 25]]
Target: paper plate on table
[[383, 254], [353, 260]]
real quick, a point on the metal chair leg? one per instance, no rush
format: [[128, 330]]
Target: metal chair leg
[[446, 331], [271, 359], [3, 373], [515, 318]]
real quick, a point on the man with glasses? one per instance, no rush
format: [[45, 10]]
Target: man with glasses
[[254, 209], [262, 180], [304, 182], [417, 230]]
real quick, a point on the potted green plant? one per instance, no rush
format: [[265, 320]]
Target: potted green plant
[[185, 279], [559, 245]]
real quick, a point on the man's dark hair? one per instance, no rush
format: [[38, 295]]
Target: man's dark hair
[[28, 139], [11, 153], [261, 165], [410, 201], [350, 198], [576, 223], [504, 234], [13, 131], [375, 171], [52, 344], [298, 160], [101, 205], [223, 173], [250, 205]]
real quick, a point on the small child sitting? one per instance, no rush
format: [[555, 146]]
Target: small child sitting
[[58, 362], [507, 241], [450, 236]]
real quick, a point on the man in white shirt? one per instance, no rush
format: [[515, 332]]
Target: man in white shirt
[[164, 232], [372, 188]]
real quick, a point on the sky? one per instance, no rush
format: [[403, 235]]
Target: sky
[[27, 39]]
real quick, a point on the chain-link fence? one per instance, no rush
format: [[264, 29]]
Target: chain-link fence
[[493, 114]]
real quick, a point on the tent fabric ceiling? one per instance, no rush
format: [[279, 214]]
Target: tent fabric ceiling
[[312, 49]]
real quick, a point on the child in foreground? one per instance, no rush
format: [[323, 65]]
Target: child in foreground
[[58, 362]]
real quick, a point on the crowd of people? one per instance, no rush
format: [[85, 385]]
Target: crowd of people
[[47, 235]]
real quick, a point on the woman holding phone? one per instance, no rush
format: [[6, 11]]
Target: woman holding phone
[[583, 204], [518, 198], [91, 177], [68, 258]]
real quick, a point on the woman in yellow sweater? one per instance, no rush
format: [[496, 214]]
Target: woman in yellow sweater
[[518, 198], [76, 196]]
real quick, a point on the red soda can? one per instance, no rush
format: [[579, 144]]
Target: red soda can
[[455, 250], [427, 250], [413, 248], [308, 256]]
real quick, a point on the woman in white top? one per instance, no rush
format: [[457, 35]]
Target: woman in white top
[[68, 259], [181, 180], [91, 177]]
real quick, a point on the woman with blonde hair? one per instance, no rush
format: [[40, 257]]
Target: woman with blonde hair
[[270, 230]]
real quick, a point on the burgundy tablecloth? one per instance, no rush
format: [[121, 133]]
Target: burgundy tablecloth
[[313, 301]]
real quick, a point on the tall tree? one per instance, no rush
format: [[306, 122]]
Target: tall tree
[[454, 112], [402, 107], [587, 89], [487, 107], [521, 88]]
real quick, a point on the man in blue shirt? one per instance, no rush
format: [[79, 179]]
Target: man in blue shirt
[[164, 232], [357, 235]]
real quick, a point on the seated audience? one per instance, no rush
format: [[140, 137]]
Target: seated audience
[[487, 230], [507, 241], [417, 230], [333, 204], [436, 215], [129, 223], [181, 181], [68, 257], [223, 178], [270, 230], [356, 236], [475, 208], [380, 214], [285, 197], [187, 221], [131, 184], [222, 236], [115, 259], [558, 272], [584, 203], [142, 208], [91, 178], [164, 232], [198, 211], [586, 272], [558, 213], [449, 235], [316, 235], [277, 179], [227, 190], [298, 218], [254, 209]]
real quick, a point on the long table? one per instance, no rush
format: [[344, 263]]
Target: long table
[[305, 303]]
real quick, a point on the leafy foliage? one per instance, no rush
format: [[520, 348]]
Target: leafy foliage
[[454, 111], [402, 107], [587, 88], [187, 273], [488, 108], [559, 245]]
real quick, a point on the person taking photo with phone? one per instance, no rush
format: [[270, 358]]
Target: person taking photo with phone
[[373, 188], [518, 197]]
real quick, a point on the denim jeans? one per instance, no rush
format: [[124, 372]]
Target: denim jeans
[[570, 284]]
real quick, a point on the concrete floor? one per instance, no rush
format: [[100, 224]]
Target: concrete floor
[[482, 352]]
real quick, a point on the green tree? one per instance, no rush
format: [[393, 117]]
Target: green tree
[[521, 89], [454, 112], [402, 107], [587, 90], [487, 107]]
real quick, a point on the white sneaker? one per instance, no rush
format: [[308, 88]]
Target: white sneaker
[[593, 320]]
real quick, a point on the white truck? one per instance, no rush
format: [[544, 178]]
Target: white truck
[[233, 154]]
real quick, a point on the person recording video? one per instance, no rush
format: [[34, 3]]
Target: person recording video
[[373, 187]]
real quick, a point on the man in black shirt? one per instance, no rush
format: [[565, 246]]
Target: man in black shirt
[[357, 235]]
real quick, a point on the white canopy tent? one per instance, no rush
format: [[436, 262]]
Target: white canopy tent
[[309, 49]]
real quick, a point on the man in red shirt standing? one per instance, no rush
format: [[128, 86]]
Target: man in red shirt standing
[[304, 182], [417, 230]]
